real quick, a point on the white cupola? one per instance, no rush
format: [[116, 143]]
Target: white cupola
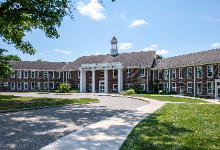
[[114, 49]]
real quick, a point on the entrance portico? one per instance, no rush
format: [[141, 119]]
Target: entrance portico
[[100, 66]]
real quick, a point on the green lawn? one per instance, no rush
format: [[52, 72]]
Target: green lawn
[[18, 102], [178, 127], [170, 98]]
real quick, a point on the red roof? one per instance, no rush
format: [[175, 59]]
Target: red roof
[[114, 39]]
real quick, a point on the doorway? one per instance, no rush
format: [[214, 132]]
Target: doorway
[[101, 86]]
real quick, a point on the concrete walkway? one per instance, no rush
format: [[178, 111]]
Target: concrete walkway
[[106, 134]]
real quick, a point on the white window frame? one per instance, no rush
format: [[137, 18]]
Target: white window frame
[[182, 73], [142, 74], [24, 74], [189, 87], [159, 74], [5, 83], [90, 87], [45, 73], [188, 72], [219, 70], [31, 85], [69, 74], [53, 85], [19, 73], [13, 74], [102, 74], [78, 86], [211, 71], [11, 85], [166, 74], [39, 74], [211, 87], [39, 85], [128, 85], [78, 73], [25, 84], [52, 75], [18, 87], [174, 73], [197, 75], [128, 73], [58, 72], [198, 88], [142, 86], [166, 88], [45, 86], [173, 87], [114, 86], [90, 74]]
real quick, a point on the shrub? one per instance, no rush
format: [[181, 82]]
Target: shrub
[[172, 92], [124, 92], [64, 88], [74, 91], [56, 91], [137, 90], [131, 91]]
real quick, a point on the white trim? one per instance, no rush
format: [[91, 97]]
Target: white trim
[[31, 85], [128, 73], [102, 85], [174, 73], [166, 86], [197, 71], [59, 74], [25, 84], [211, 87], [114, 88], [45, 86], [39, 85], [24, 74], [11, 85], [189, 87], [31, 74], [69, 74], [53, 85], [182, 73], [17, 86], [18, 73], [103, 74], [212, 71], [142, 75], [143, 86], [5, 83], [13, 74], [188, 73], [174, 87], [167, 73], [45, 72]]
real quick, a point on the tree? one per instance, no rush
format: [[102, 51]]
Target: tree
[[39, 60], [12, 57], [159, 57]]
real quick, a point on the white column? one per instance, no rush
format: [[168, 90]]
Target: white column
[[84, 81], [106, 81], [48, 84], [169, 80], [81, 81], [93, 81], [66, 76], [147, 79], [119, 80], [194, 81]]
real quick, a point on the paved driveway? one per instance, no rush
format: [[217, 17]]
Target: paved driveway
[[35, 129]]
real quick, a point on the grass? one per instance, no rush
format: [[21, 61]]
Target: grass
[[177, 127], [18, 102], [170, 98]]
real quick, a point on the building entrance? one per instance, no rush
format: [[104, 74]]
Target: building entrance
[[101, 86]]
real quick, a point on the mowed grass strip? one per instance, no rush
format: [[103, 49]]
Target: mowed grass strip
[[18, 102], [171, 98], [177, 127]]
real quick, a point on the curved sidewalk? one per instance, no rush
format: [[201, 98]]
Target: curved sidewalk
[[106, 134]]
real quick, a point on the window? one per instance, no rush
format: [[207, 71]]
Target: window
[[52, 74], [45, 85], [199, 87], [210, 71], [160, 86], [90, 74], [78, 74], [78, 86], [142, 72], [166, 74], [160, 75], [39, 85], [45, 74], [90, 87], [173, 73], [12, 85], [5, 83], [39, 74], [115, 73], [173, 87], [69, 74], [32, 85], [13, 74], [199, 72], [189, 87], [128, 86], [19, 74], [128, 72], [32, 74], [19, 85], [181, 73], [143, 86], [166, 86], [25, 74], [51, 85], [115, 86], [58, 75], [26, 85], [102, 73], [189, 73], [219, 70], [210, 87]]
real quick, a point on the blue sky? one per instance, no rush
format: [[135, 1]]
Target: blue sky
[[170, 27]]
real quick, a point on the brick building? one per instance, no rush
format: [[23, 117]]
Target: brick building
[[195, 74]]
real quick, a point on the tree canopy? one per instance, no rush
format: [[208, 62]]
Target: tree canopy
[[159, 57]]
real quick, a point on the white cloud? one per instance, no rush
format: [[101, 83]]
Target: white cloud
[[154, 45], [124, 46], [149, 49], [122, 16], [93, 10], [137, 23], [215, 44], [63, 51], [162, 52], [97, 53]]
